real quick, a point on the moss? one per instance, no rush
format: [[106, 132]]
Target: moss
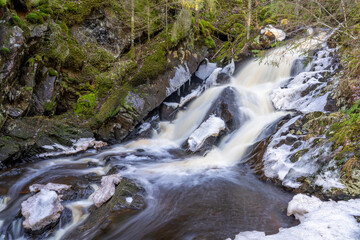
[[85, 105], [112, 106], [104, 85], [75, 59], [35, 17], [28, 89], [4, 51], [209, 42], [153, 65], [73, 12], [49, 106], [53, 72], [31, 61], [2, 3], [99, 57], [45, 9], [15, 20]]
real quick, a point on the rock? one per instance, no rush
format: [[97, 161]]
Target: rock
[[45, 92], [119, 206], [13, 39], [210, 128], [40, 210], [107, 189], [103, 30], [50, 186], [226, 107]]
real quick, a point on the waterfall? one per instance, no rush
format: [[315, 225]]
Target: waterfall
[[186, 194]]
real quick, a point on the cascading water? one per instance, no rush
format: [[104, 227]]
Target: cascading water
[[187, 196]]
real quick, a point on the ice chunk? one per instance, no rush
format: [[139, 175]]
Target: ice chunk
[[50, 186], [211, 80], [182, 75], [79, 145], [194, 94], [319, 221], [107, 189], [205, 69], [41, 210], [211, 127], [229, 69]]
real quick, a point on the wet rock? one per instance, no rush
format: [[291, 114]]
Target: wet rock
[[50, 186], [226, 107], [223, 78], [40, 210], [107, 189], [119, 206]]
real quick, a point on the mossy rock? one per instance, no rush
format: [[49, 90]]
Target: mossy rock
[[35, 18], [114, 104], [85, 105], [4, 51]]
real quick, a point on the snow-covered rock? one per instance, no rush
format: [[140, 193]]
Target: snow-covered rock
[[41, 210], [50, 186], [269, 30], [107, 189], [318, 221], [211, 127]]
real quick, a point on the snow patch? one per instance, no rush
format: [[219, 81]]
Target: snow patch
[[318, 221], [211, 127]]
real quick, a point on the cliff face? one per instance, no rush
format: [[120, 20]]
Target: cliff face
[[67, 70]]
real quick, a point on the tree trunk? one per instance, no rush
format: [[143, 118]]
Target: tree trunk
[[132, 23], [248, 20], [166, 16], [148, 19], [197, 13]]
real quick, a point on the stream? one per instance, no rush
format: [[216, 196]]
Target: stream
[[214, 195]]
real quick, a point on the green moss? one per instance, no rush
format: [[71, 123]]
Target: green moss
[[104, 85], [53, 72], [28, 89], [112, 105], [2, 3], [4, 50], [209, 42], [49, 106], [15, 20], [85, 105], [154, 64], [75, 59], [99, 57], [73, 12], [35, 17]]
